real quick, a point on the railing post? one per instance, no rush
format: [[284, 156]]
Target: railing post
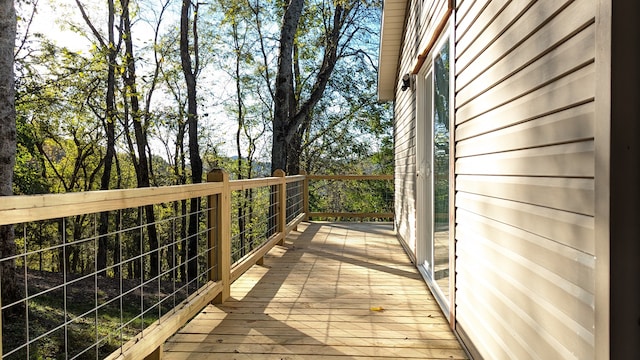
[[305, 195], [281, 203], [221, 237]]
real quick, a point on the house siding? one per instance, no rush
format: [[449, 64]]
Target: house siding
[[404, 174], [422, 18], [525, 177]]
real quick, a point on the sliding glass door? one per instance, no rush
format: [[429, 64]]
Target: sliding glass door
[[434, 164]]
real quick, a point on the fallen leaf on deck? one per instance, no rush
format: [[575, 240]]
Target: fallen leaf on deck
[[376, 308]]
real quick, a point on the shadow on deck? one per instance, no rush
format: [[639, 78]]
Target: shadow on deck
[[333, 291]]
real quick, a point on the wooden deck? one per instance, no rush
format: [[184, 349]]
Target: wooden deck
[[334, 291]]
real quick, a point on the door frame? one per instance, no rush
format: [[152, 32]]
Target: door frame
[[424, 174]]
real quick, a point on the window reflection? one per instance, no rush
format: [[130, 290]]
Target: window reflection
[[441, 169]]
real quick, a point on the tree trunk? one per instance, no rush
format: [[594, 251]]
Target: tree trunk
[[293, 157], [181, 178], [190, 70], [116, 248], [287, 119], [109, 125], [284, 95], [141, 137], [181, 256], [8, 284]]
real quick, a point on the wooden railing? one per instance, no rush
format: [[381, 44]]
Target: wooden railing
[[383, 204], [168, 296]]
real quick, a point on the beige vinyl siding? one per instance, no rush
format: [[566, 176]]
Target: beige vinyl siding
[[405, 165], [525, 178], [422, 18], [431, 13], [462, 8], [405, 146], [404, 172]]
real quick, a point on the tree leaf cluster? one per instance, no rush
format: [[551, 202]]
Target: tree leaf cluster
[[154, 91]]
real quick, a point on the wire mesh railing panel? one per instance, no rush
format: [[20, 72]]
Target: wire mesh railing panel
[[86, 284], [253, 220], [82, 285], [295, 200], [346, 199]]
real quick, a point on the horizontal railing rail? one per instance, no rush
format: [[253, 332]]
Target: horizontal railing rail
[[19, 209], [112, 274]]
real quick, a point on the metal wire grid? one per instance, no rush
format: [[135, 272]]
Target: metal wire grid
[[351, 196], [70, 307], [253, 220], [295, 200]]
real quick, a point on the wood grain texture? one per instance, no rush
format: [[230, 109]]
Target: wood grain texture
[[21, 208], [142, 346], [313, 297]]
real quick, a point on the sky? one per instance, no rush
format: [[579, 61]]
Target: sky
[[52, 19]]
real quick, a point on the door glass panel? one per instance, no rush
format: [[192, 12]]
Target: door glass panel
[[425, 180], [441, 149]]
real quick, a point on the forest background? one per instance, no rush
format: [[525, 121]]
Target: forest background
[[121, 94]]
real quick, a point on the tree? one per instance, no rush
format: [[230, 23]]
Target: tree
[[284, 94], [9, 286], [338, 23], [29, 175], [109, 125], [140, 119], [349, 126], [190, 69], [239, 45], [92, 107], [109, 49]]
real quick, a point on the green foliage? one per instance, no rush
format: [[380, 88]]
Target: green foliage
[[350, 131], [249, 221], [370, 196], [46, 314], [62, 117], [29, 176]]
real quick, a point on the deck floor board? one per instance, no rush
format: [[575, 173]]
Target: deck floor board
[[333, 291]]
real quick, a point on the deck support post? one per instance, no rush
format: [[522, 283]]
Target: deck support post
[[156, 354], [281, 207], [220, 235], [305, 195]]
